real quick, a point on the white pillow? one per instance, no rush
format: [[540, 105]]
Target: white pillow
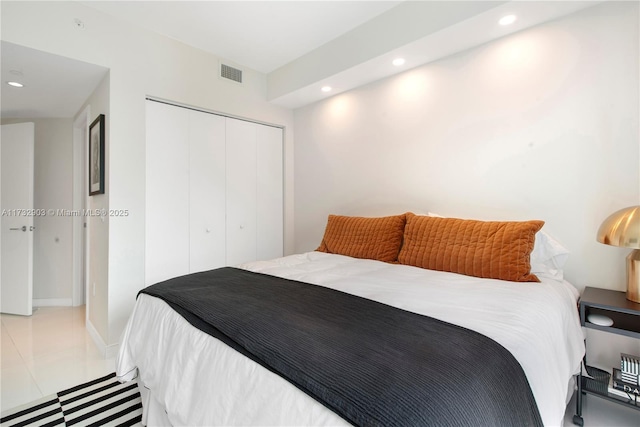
[[547, 257]]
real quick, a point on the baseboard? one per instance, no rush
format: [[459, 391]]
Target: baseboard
[[52, 302], [107, 351]]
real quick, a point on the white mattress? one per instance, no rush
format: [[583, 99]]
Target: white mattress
[[201, 381]]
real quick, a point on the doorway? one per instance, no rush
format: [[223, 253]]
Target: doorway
[[55, 89]]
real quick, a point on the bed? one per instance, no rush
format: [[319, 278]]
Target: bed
[[190, 377]]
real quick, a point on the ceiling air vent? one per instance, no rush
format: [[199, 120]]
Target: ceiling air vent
[[230, 73]]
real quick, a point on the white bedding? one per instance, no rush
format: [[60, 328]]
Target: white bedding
[[201, 381]]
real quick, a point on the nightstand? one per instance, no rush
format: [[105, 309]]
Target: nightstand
[[626, 321]]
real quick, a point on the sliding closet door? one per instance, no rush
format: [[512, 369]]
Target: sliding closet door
[[214, 192], [206, 191], [269, 228], [167, 195], [241, 191]]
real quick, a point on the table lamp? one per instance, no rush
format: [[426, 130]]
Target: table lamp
[[622, 228]]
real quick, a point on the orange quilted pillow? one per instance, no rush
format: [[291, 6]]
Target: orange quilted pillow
[[358, 237], [496, 250]]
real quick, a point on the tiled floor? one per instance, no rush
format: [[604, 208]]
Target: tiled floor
[[51, 351], [45, 353]]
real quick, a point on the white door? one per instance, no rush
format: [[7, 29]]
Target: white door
[[16, 230], [269, 227], [241, 191], [206, 191], [167, 192]]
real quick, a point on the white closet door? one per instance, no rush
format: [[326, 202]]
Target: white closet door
[[167, 195], [241, 191], [269, 228], [206, 191]]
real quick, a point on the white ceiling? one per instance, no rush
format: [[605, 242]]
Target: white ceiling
[[299, 45], [54, 86], [262, 35]]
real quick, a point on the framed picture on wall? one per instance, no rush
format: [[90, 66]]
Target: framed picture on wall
[[96, 156]]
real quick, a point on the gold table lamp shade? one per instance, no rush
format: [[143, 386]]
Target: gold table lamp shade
[[622, 228]]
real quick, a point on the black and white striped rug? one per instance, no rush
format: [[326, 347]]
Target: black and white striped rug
[[101, 402]]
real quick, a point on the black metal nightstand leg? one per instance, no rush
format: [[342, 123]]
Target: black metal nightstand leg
[[577, 418]]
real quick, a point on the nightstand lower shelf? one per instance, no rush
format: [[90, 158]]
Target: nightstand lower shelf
[[598, 386]]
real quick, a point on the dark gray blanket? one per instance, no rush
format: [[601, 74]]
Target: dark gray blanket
[[372, 364]]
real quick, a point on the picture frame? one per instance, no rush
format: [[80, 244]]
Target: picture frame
[[96, 156]]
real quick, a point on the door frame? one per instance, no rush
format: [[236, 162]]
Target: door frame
[[80, 234]]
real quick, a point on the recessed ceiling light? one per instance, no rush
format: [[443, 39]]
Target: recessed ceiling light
[[507, 20], [398, 62], [15, 84], [326, 89]]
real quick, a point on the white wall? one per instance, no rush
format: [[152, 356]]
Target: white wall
[[52, 239], [141, 63], [97, 295], [542, 124]]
